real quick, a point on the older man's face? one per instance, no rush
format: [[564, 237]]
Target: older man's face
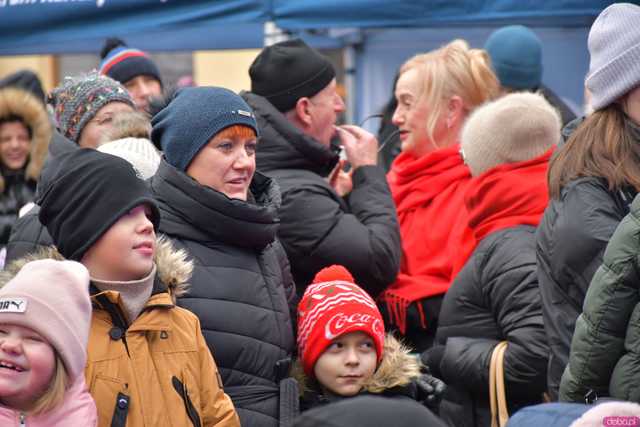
[[324, 109]]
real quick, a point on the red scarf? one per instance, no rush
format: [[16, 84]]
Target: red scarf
[[428, 193], [505, 196]]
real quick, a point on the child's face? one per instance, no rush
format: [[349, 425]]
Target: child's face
[[27, 364], [346, 364], [125, 251]]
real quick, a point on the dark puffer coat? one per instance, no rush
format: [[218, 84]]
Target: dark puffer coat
[[494, 298], [605, 351], [370, 411], [18, 187], [571, 240], [241, 288], [318, 227]]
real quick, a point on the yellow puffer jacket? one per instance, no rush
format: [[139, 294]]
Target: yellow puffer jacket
[[158, 372]]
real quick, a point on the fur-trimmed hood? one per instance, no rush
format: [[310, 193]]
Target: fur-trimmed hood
[[397, 369], [21, 103], [173, 267]]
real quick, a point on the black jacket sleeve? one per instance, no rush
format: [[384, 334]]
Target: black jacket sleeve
[[27, 236], [506, 276], [318, 231]]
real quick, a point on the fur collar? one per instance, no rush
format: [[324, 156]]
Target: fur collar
[[23, 104], [173, 267], [398, 368]]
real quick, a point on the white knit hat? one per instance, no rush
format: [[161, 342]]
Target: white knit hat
[[517, 127], [140, 152], [52, 298], [614, 46]]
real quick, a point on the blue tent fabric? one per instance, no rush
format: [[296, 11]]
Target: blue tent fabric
[[301, 14], [74, 26], [63, 26]]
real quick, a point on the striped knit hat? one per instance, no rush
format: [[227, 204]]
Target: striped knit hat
[[333, 306], [123, 63]]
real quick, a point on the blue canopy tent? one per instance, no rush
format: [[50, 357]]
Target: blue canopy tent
[[80, 26]]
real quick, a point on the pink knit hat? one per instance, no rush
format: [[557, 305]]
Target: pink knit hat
[[52, 298]]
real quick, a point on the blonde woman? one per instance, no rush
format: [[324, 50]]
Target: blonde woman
[[435, 93]]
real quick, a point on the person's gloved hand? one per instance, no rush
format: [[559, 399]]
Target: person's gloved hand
[[432, 358], [430, 390]]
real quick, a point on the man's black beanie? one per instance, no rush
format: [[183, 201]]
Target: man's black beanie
[[288, 71], [87, 194]]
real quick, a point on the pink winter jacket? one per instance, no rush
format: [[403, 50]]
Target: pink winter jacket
[[77, 410]]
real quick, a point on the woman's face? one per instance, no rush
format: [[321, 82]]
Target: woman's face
[[92, 133], [413, 112], [227, 163], [14, 145], [632, 105]]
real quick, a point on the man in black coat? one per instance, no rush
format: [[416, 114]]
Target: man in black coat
[[328, 216]]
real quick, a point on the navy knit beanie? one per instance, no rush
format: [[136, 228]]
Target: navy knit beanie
[[193, 117], [123, 63], [516, 57]]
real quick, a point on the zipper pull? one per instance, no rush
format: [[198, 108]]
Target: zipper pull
[[23, 422]]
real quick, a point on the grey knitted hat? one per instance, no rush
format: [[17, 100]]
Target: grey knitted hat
[[78, 99], [614, 45], [518, 127]]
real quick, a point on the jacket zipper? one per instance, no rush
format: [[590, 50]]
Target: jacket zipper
[[192, 413], [23, 422]]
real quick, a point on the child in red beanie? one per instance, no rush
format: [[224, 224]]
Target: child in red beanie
[[343, 349]]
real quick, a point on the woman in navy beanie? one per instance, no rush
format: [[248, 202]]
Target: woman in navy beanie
[[224, 214]]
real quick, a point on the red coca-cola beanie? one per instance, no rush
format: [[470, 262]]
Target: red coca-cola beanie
[[332, 306]]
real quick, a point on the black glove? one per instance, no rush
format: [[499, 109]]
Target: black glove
[[430, 390], [432, 358]]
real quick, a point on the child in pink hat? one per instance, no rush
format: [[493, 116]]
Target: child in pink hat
[[45, 313]]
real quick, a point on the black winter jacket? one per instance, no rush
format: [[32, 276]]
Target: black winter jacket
[[604, 351], [494, 298], [318, 227], [28, 235], [241, 287], [370, 411], [18, 191], [571, 240]]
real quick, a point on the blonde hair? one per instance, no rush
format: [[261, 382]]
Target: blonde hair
[[54, 395], [453, 69], [132, 124]]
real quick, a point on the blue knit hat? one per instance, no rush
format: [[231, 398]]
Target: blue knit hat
[[516, 56], [193, 117], [123, 63]]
